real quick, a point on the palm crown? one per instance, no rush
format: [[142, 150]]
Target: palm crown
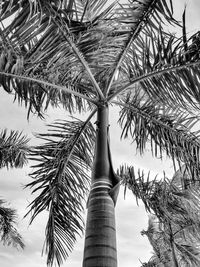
[[85, 56]]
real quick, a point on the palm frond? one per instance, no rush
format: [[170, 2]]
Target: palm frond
[[167, 131], [14, 149], [37, 94], [8, 233], [44, 86], [142, 185], [61, 180], [164, 69], [135, 20]]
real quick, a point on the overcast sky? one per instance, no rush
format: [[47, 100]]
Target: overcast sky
[[130, 218]]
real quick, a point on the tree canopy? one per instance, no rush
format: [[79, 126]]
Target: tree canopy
[[83, 55]]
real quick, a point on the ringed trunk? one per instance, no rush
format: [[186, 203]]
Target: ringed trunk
[[100, 238]]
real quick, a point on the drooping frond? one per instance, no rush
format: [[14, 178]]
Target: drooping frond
[[8, 233], [141, 184], [164, 69], [14, 149], [166, 130], [39, 90], [61, 181]]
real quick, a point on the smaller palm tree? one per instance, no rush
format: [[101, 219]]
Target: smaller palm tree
[[173, 230], [14, 151]]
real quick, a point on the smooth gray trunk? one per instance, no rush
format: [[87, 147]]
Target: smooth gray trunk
[[100, 238]]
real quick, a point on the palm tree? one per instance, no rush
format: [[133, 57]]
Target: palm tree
[[172, 247], [88, 56], [13, 154], [173, 230]]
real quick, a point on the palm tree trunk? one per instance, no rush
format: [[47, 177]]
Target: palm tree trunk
[[174, 258], [100, 237]]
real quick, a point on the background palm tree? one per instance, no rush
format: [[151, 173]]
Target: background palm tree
[[13, 154], [88, 56], [173, 230]]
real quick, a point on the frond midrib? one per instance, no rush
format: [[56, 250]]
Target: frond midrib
[[149, 75], [128, 44], [59, 87]]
